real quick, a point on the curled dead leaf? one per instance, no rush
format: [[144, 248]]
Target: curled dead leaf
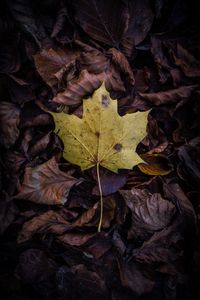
[[169, 96], [77, 89], [52, 64]]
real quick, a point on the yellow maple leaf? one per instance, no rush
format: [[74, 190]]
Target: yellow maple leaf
[[102, 136]]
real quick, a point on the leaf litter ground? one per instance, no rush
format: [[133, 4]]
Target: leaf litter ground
[[53, 55]]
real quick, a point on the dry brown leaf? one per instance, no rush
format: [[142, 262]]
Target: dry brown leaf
[[77, 89], [150, 212], [92, 59], [52, 64], [49, 221], [119, 59], [169, 96], [156, 164], [46, 184], [75, 239]]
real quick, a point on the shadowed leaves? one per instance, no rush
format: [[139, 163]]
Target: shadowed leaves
[[97, 19], [9, 121]]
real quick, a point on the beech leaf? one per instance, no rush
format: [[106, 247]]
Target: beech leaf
[[102, 136]]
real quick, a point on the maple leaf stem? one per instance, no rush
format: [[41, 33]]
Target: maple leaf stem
[[101, 199]]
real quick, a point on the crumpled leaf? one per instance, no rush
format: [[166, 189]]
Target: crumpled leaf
[[9, 121], [122, 63], [46, 184], [164, 248], [40, 145], [67, 225], [53, 64], [78, 88], [150, 212], [101, 136], [49, 221], [92, 59]]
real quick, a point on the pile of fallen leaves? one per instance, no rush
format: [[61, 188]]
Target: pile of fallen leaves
[[54, 54]]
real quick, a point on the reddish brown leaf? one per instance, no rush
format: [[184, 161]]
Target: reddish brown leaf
[[170, 96], [90, 218], [150, 212], [75, 239], [122, 64], [46, 184], [39, 145], [92, 59], [49, 221], [79, 88], [53, 64]]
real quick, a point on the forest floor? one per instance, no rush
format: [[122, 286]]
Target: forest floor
[[54, 54]]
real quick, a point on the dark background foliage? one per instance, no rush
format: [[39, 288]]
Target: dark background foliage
[[53, 54]]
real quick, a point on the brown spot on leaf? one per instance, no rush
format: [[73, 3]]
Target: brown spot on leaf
[[118, 147], [97, 133], [105, 101]]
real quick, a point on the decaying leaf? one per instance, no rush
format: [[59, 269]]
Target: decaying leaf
[[170, 96], [102, 136], [78, 88], [49, 221], [52, 64], [98, 19], [156, 164], [150, 212], [46, 184]]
